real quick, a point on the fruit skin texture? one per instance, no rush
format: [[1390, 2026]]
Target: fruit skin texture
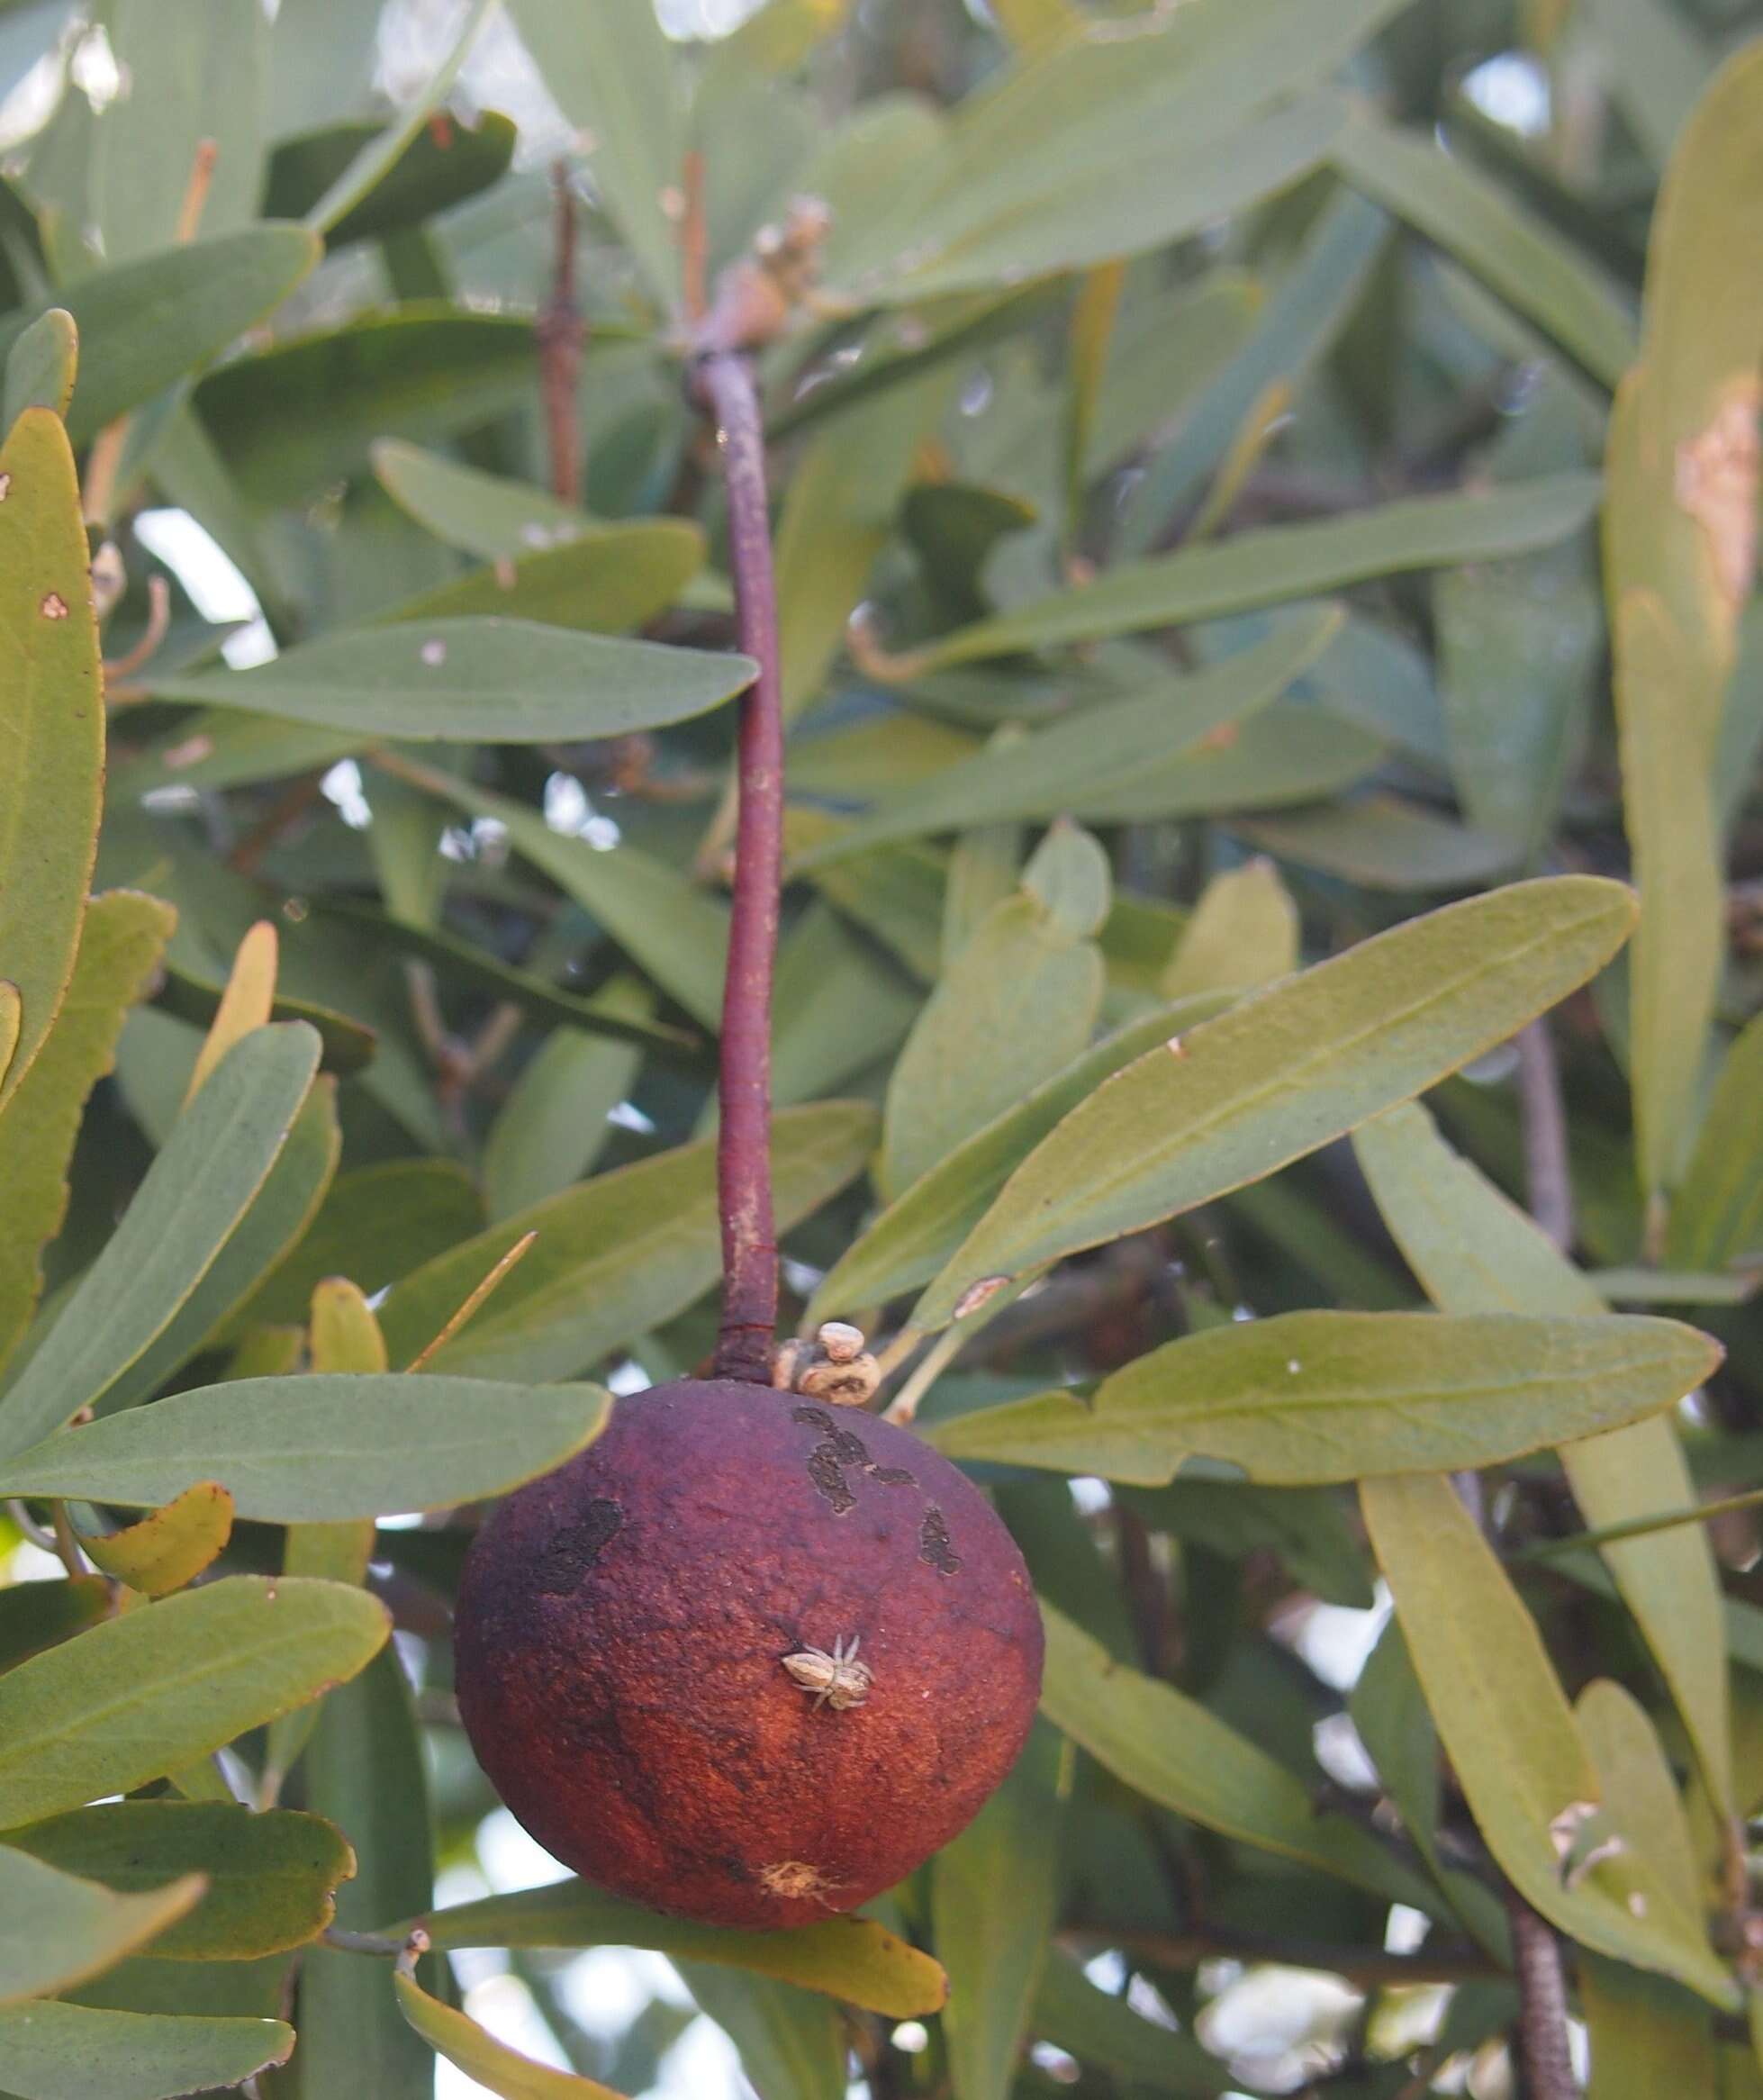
[[620, 1643]]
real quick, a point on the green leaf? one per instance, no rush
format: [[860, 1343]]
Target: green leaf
[[438, 168], [271, 1228], [791, 2044], [366, 1771], [1309, 1398], [35, 1616], [491, 2064], [264, 1881], [39, 366], [291, 419], [221, 1153], [1289, 1070], [1103, 2031], [320, 1450], [190, 995], [553, 1126], [162, 1686], [1015, 1006], [1530, 266], [51, 721], [484, 514], [378, 160], [1647, 2036], [1510, 1734], [614, 1255], [1176, 1753], [77, 2052], [1679, 563], [1282, 562], [1640, 1793], [1381, 843], [994, 1899], [1717, 1216], [1475, 1251], [120, 939], [850, 1958], [1658, 64], [669, 926], [463, 680], [1244, 932], [922, 1227], [1075, 766], [611, 71], [142, 325], [57, 1929], [169, 1547]]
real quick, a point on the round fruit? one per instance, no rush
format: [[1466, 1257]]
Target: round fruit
[[746, 1659]]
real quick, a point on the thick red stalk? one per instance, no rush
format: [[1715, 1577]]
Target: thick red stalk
[[744, 1141]]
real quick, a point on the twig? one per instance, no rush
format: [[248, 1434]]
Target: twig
[[1543, 2034], [930, 1367], [1636, 1527], [281, 817], [724, 382], [158, 619], [1360, 1965], [694, 243], [67, 1545], [1548, 1178], [195, 191], [561, 333]]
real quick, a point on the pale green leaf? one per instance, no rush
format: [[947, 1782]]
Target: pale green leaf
[[1281, 562], [1243, 932], [137, 1696], [57, 1929], [849, 1958], [50, 2051], [471, 678], [1475, 1251], [552, 1127], [1717, 1215], [1178, 1753], [120, 939], [1510, 1734], [1516, 256], [39, 366], [220, 1152], [1308, 1399], [1659, 66], [51, 723], [320, 1449], [1289, 1070], [791, 2044], [614, 1255], [265, 1882], [492, 2065]]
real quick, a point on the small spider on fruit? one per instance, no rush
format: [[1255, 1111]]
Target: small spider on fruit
[[838, 1679]]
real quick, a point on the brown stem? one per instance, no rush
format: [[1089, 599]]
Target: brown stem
[[1543, 2039], [724, 381], [561, 335], [1362, 1965], [1547, 1179]]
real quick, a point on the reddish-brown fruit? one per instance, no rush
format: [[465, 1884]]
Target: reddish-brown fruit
[[620, 1642]]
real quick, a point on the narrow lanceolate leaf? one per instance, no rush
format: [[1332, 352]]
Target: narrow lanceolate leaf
[[57, 1929], [245, 1001], [194, 1194], [1283, 562], [139, 1696], [1289, 1070], [493, 2063], [1176, 1753], [169, 1547], [39, 366], [918, 1232], [260, 1883], [1313, 1398], [1717, 1217], [1679, 560], [144, 324], [51, 726], [1475, 1251], [1530, 267], [614, 1255], [790, 2044], [994, 1900], [51, 2051], [1510, 1734], [320, 1449], [121, 940], [1121, 745], [1243, 932], [471, 680], [849, 1958]]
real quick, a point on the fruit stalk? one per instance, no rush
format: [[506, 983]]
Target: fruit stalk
[[724, 381]]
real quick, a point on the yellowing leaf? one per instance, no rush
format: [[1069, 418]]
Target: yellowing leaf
[[51, 727], [245, 1004], [171, 1546], [492, 2063], [345, 1336]]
